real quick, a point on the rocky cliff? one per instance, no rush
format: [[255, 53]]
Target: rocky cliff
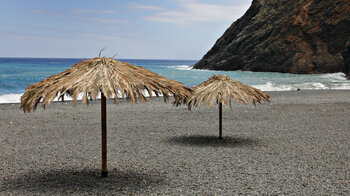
[[299, 36]]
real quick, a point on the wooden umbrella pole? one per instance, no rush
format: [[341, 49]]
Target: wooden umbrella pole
[[104, 135], [220, 120]]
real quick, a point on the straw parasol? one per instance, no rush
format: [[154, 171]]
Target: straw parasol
[[222, 90], [108, 77]]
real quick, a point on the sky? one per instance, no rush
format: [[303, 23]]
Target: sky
[[139, 29]]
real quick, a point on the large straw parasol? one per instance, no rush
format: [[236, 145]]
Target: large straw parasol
[[108, 77], [222, 89]]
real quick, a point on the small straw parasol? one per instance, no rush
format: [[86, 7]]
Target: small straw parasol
[[222, 90], [108, 77]]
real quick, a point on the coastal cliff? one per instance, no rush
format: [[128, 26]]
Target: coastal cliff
[[302, 36]]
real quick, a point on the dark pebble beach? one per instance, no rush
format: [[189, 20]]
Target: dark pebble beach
[[299, 144]]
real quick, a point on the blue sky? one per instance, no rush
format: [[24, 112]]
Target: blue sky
[[140, 29]]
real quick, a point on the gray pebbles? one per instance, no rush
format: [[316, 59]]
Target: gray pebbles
[[299, 144]]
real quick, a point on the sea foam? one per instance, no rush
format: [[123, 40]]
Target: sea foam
[[269, 86], [335, 77], [180, 67], [16, 98], [10, 98]]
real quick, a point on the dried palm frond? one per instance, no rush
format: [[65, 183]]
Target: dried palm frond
[[222, 89], [111, 77]]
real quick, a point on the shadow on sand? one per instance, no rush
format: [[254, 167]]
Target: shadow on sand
[[213, 141], [87, 181]]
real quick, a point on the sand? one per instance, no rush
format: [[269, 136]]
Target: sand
[[298, 144]]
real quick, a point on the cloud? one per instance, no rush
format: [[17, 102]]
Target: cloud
[[107, 20], [43, 11], [90, 11], [37, 11], [193, 11], [85, 12], [75, 11], [146, 7]]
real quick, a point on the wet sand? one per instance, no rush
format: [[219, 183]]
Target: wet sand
[[297, 144]]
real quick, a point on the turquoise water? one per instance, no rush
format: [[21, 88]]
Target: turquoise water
[[17, 73]]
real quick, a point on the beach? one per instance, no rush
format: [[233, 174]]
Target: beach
[[298, 144]]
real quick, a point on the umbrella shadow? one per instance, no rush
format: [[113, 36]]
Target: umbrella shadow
[[213, 141], [68, 181]]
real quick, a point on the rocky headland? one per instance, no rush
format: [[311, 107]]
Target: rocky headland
[[302, 36]]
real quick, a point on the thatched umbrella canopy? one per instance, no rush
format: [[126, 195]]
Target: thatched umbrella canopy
[[108, 77], [222, 90]]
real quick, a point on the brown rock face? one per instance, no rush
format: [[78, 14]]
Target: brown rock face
[[301, 36]]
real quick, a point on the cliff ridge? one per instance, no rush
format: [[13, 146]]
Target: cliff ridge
[[302, 36]]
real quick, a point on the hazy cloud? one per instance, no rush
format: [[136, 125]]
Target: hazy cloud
[[43, 11], [75, 11], [107, 20], [146, 7], [89, 11], [37, 11], [193, 11]]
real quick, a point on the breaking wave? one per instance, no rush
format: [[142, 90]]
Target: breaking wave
[[303, 86]]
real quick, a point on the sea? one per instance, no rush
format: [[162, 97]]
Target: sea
[[17, 73]]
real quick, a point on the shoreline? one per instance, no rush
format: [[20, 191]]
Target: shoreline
[[297, 144], [68, 99]]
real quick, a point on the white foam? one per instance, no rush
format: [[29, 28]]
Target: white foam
[[269, 86], [181, 67], [16, 98], [335, 77], [343, 86], [188, 68], [10, 98], [317, 85]]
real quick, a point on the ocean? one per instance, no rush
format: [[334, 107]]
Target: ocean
[[17, 73]]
